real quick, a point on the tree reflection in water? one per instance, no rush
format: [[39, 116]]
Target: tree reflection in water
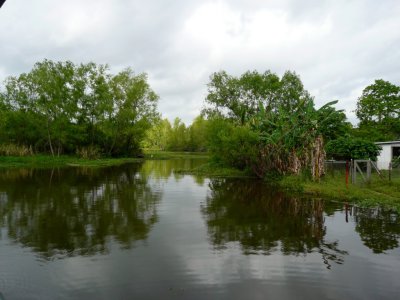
[[264, 221], [379, 229], [163, 169], [76, 211]]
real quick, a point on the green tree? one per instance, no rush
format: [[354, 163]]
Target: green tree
[[347, 148], [178, 139], [198, 134], [92, 93], [333, 123], [238, 98], [157, 137], [231, 144], [378, 110], [134, 110], [267, 124], [63, 108], [44, 92]]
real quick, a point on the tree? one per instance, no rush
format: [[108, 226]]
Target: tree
[[198, 134], [378, 110], [44, 92], [238, 98], [178, 137], [134, 110], [379, 101], [93, 95], [266, 124], [232, 144], [63, 108], [333, 123], [346, 148], [158, 136]]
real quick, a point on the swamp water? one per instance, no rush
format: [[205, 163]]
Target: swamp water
[[141, 231]]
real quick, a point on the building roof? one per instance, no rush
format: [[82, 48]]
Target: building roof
[[387, 143]]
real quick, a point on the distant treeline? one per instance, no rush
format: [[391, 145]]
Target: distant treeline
[[178, 136]]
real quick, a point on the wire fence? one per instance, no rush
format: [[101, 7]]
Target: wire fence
[[362, 171]]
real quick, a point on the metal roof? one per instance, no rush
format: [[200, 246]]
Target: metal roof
[[386, 143]]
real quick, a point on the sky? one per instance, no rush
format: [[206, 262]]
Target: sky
[[338, 47]]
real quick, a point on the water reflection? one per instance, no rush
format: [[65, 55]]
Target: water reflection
[[76, 211], [162, 169], [264, 221], [379, 230]]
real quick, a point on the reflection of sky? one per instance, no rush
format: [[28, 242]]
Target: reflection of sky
[[177, 261]]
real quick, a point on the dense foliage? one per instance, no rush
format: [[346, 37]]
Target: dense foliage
[[346, 148], [258, 122], [60, 107], [378, 110], [177, 137], [268, 124]]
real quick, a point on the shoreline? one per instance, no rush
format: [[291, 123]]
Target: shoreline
[[378, 193]]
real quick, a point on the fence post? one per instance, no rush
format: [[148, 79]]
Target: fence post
[[353, 171], [369, 170], [347, 173]]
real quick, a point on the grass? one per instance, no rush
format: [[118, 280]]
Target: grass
[[44, 161], [379, 192], [156, 154], [213, 170]]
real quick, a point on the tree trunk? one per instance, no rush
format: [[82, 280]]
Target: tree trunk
[[318, 159], [49, 137]]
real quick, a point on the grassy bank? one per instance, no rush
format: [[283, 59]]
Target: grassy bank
[[378, 192], [44, 161], [213, 170], [152, 154]]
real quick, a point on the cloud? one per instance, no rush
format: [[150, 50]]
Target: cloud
[[337, 47]]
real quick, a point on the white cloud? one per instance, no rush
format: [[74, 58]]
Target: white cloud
[[337, 47]]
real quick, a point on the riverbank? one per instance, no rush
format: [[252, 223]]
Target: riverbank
[[153, 154], [212, 170], [48, 161], [379, 192]]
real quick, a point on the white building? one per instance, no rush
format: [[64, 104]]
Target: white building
[[389, 151]]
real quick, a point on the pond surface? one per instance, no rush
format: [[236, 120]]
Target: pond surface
[[142, 231]]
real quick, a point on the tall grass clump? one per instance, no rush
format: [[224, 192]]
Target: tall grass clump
[[15, 150], [90, 152]]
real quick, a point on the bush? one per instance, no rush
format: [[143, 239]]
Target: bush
[[347, 148], [15, 150], [232, 145], [90, 152]]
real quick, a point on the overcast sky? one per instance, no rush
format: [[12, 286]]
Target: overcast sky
[[336, 46]]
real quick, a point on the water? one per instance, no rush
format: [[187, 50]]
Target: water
[[142, 231]]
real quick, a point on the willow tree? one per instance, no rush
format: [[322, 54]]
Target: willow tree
[[43, 94], [59, 107]]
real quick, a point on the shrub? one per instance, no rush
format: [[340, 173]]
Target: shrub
[[347, 148], [90, 152], [15, 150]]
